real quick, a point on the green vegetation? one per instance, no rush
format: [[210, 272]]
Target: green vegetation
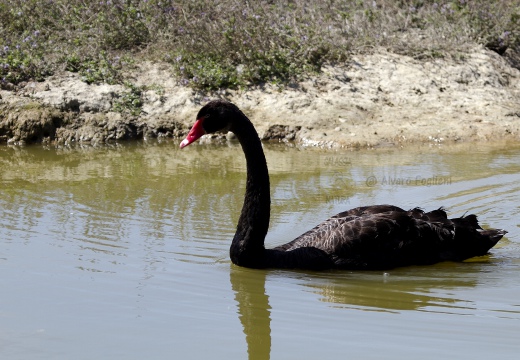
[[130, 101], [213, 44]]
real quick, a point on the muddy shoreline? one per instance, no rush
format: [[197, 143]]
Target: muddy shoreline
[[374, 100]]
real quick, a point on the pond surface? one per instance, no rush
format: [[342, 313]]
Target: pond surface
[[122, 253]]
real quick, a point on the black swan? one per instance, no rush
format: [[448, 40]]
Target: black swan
[[367, 237]]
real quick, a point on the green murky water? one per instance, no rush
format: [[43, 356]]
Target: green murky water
[[122, 253]]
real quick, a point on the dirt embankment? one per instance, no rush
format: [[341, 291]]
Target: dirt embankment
[[373, 100]]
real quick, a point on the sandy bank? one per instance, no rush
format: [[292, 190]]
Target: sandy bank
[[374, 100]]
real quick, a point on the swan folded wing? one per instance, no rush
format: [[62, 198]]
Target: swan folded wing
[[389, 240], [372, 238], [323, 229]]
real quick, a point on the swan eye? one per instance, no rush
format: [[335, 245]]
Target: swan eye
[[206, 116]]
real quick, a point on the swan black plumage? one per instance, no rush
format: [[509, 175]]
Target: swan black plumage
[[367, 237]]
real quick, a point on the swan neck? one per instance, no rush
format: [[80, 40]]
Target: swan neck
[[247, 248]]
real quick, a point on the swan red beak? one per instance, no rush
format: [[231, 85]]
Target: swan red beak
[[196, 132]]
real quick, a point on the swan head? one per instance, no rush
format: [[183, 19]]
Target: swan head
[[215, 116]]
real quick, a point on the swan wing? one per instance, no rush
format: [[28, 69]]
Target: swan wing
[[380, 236]]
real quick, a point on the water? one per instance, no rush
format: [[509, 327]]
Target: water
[[122, 253]]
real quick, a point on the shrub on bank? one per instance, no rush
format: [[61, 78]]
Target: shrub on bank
[[213, 44]]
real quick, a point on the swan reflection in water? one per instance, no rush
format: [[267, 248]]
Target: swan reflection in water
[[409, 289], [254, 310]]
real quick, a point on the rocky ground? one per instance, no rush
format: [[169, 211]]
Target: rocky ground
[[374, 100]]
